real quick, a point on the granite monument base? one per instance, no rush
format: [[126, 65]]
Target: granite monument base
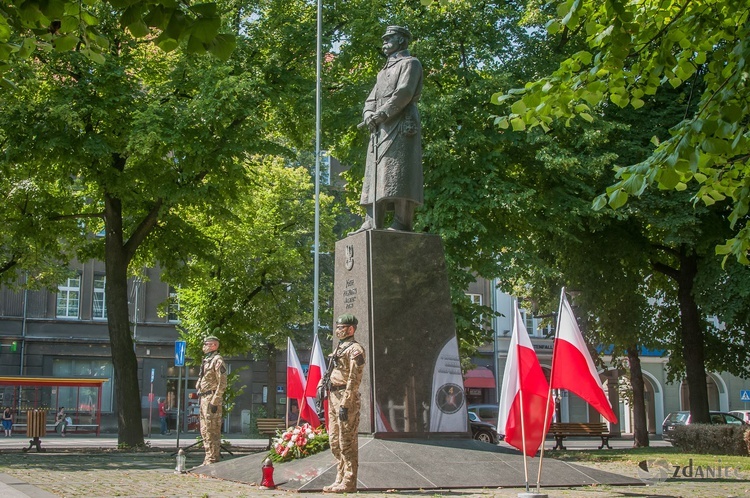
[[389, 464], [396, 284]]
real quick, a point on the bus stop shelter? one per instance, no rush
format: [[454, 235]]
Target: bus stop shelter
[[81, 398]]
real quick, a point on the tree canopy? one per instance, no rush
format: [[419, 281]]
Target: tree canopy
[[65, 25], [631, 51]]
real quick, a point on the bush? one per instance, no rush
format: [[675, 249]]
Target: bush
[[711, 439]]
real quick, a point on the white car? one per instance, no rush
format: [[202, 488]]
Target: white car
[[743, 414]]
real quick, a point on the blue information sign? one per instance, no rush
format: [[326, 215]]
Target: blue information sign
[[179, 353], [745, 395]]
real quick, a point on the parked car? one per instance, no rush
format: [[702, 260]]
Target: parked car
[[481, 430], [683, 418], [487, 413], [743, 414]]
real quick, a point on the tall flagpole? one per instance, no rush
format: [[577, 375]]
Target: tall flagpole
[[316, 257], [549, 393]]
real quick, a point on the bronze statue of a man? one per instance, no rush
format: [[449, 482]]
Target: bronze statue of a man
[[393, 173]]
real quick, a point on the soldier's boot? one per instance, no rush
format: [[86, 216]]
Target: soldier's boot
[[336, 483], [345, 487]]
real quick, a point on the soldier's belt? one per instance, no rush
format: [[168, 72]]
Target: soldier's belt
[[206, 393], [337, 388]]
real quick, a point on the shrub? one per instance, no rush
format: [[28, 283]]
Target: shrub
[[711, 439]]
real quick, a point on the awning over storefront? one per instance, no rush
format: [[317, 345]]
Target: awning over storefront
[[479, 377]]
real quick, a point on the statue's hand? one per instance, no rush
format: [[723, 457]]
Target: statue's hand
[[374, 120]]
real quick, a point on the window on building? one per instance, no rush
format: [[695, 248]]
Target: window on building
[[70, 397], [173, 307], [100, 302], [69, 297], [325, 168], [475, 298]]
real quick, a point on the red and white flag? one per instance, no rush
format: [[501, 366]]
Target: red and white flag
[[295, 376], [572, 366], [523, 422], [314, 374]]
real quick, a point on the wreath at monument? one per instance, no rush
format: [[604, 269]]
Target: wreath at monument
[[298, 441]]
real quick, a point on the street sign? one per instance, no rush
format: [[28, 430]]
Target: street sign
[[179, 353], [745, 395], [153, 373]]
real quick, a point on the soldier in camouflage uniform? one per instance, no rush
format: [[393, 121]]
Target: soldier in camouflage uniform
[[344, 404], [211, 383]]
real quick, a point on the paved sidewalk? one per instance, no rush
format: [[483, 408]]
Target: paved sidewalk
[[68, 469]]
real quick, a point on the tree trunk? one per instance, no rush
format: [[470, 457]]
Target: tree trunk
[[693, 344], [640, 429], [124, 362]]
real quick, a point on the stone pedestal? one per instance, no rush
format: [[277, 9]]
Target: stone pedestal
[[396, 284]]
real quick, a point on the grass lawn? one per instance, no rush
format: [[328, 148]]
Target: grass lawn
[[675, 456]]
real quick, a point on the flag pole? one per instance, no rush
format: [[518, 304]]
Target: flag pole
[[549, 393]]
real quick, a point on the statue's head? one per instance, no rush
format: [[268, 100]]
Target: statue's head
[[396, 38]]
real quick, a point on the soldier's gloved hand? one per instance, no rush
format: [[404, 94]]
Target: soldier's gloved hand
[[214, 408], [343, 414]]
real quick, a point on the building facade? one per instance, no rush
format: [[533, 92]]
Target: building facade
[[662, 397], [64, 334]]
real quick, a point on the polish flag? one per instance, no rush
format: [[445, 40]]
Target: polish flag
[[524, 395], [295, 377], [314, 374], [572, 366]]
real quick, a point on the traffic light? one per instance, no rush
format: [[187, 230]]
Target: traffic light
[[13, 347]]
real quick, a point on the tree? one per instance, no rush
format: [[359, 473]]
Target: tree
[[634, 49], [254, 288], [127, 145], [64, 25]]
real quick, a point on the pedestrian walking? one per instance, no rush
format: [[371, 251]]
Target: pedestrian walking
[[163, 417], [211, 383], [348, 365]]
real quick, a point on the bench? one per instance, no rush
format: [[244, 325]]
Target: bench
[[561, 430], [51, 427], [269, 426]]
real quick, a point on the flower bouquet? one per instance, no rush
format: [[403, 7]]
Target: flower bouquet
[[298, 441]]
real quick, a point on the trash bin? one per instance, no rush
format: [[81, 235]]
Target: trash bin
[[36, 423]]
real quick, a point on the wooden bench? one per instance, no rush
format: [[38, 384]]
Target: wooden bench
[[561, 430], [51, 427], [269, 426]]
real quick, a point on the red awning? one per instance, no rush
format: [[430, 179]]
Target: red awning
[[480, 377]]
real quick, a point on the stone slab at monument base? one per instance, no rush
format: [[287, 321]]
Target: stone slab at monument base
[[405, 464]]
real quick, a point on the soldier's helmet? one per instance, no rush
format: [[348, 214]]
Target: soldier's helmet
[[347, 319]]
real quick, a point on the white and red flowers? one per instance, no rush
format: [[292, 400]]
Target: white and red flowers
[[298, 441]]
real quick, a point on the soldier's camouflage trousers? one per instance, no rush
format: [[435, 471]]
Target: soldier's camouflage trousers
[[210, 430], [343, 439]]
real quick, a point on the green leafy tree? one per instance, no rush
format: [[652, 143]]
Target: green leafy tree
[[631, 51], [126, 146], [30, 26], [254, 288]]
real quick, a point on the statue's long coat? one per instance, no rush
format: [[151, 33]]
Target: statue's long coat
[[399, 137]]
